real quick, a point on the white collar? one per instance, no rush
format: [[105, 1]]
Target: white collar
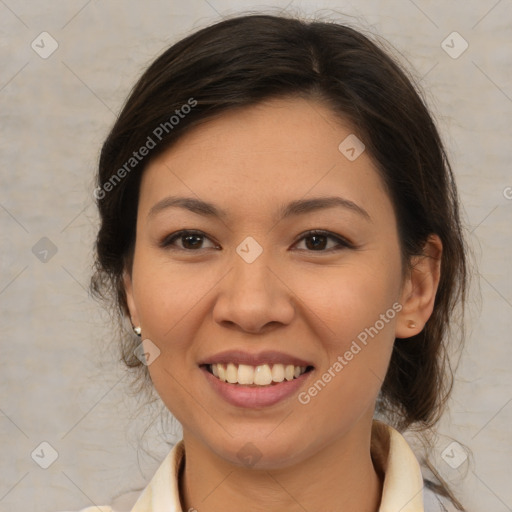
[[402, 490]]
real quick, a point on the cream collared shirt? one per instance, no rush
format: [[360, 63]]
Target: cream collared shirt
[[403, 488]]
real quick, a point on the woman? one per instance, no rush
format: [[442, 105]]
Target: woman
[[280, 224]]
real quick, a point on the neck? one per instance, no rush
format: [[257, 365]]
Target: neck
[[339, 477]]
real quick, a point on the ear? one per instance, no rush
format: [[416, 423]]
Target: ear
[[419, 289], [128, 288]]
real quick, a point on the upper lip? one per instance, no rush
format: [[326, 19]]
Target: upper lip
[[265, 357]]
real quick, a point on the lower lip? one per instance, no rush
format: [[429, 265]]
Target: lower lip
[[252, 396]]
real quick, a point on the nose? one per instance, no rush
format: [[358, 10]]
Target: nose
[[253, 297]]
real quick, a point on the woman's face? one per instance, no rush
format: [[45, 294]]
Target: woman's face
[[252, 280]]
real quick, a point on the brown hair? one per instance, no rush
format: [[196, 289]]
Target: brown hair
[[243, 60]]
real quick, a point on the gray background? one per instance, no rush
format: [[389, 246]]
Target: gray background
[[60, 381]]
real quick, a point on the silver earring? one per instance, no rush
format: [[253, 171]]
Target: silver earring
[[137, 330]]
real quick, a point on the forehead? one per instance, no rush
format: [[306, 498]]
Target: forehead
[[281, 149], [279, 127]]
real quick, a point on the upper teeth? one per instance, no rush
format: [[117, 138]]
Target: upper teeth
[[261, 375]]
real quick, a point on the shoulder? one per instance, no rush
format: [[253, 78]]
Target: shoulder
[[123, 503], [100, 508], [433, 502]]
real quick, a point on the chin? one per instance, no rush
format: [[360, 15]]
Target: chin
[[259, 452]]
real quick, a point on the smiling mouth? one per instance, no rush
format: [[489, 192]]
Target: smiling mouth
[[257, 376]]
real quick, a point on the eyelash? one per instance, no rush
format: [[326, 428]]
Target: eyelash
[[168, 241]]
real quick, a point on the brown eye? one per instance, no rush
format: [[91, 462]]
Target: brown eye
[[318, 241], [190, 240]]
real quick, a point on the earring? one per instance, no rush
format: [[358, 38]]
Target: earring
[[411, 324], [137, 330]]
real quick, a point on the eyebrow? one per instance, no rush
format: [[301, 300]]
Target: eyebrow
[[298, 207]]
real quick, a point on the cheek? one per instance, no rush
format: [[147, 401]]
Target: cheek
[[168, 300], [356, 310], [348, 298], [362, 317], [167, 294]]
